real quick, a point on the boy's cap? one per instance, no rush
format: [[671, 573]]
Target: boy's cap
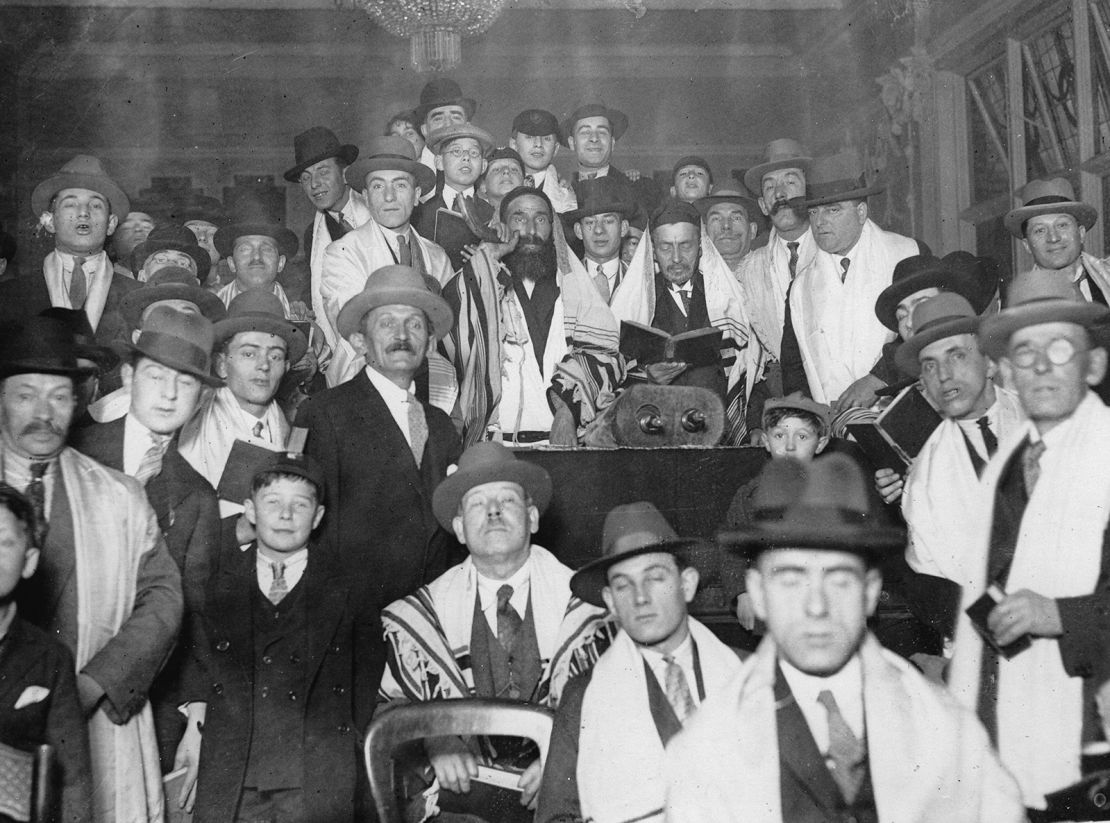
[[297, 464], [799, 402]]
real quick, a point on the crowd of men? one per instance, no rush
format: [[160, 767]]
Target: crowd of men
[[256, 489]]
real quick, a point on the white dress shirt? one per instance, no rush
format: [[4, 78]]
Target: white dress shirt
[[847, 688], [17, 474], [136, 443], [676, 292], [487, 594], [295, 564], [684, 657], [974, 434], [396, 399], [611, 269], [450, 195]]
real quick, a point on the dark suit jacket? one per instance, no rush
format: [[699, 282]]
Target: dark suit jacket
[[379, 504], [30, 657], [345, 660], [424, 222]]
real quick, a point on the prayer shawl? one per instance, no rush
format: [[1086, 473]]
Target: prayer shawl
[[428, 634], [764, 279], [560, 194], [838, 333], [357, 213], [99, 271], [114, 512], [930, 759], [581, 358], [942, 496], [233, 290], [348, 263], [620, 755], [207, 438], [635, 299], [1058, 554]]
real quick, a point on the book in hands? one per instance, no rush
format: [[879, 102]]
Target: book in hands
[[980, 610], [647, 345], [893, 439], [243, 462]]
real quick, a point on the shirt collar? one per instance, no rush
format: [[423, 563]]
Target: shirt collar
[[17, 468], [487, 586], [846, 685], [683, 654], [390, 391], [290, 561]]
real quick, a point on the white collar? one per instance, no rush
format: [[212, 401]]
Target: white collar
[[390, 391], [683, 654], [846, 685], [487, 586]]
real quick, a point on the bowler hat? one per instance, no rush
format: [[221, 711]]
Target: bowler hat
[[260, 310], [297, 464], [603, 195], [453, 131], [442, 91], [393, 286], [389, 153], [944, 315], [316, 144], [818, 505], [783, 153], [954, 273], [750, 207], [176, 237], [178, 339], [84, 338], [252, 219], [537, 123], [618, 120], [82, 172], [1054, 196], [489, 463], [837, 178], [170, 283], [40, 345], [1037, 297], [629, 531]]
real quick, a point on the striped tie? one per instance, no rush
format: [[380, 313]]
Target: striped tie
[[279, 588], [78, 285], [151, 464]]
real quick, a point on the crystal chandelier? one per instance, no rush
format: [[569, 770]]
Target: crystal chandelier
[[435, 28]]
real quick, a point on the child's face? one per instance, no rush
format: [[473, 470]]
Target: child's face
[[793, 437], [18, 558], [284, 513]]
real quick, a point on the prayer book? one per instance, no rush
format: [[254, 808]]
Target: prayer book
[[893, 439], [242, 462], [171, 790], [647, 345]]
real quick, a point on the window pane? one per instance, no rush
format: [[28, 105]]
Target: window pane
[[1100, 56], [1049, 97], [990, 172]]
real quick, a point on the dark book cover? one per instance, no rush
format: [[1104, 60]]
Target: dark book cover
[[647, 345], [893, 439], [243, 462]]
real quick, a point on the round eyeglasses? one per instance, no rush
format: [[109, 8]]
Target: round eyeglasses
[[1058, 352]]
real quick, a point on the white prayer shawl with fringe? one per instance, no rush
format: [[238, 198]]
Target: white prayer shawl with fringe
[[930, 759], [561, 196], [764, 279], [943, 495], [99, 278], [116, 527], [620, 755], [428, 633], [839, 336], [348, 263], [1058, 554], [357, 213]]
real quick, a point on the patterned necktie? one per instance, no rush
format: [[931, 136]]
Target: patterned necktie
[[279, 588], [793, 262], [602, 283], [844, 264], [418, 429], [508, 621], [78, 286], [1031, 465], [36, 493], [989, 440], [337, 225], [404, 253], [259, 427], [678, 690], [151, 463], [530, 181], [848, 755]]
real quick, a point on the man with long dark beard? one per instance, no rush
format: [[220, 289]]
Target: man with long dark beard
[[535, 345]]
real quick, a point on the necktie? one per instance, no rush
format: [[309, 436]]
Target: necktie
[[1031, 465], [847, 753], [151, 463], [279, 588], [404, 253], [989, 440], [337, 226], [530, 181], [418, 429], [678, 690], [793, 263], [790, 355], [1096, 291], [36, 493], [78, 286], [508, 621], [458, 205], [602, 283], [591, 175], [685, 295], [844, 264], [259, 427]]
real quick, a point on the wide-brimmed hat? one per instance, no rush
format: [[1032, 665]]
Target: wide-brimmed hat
[[783, 153], [797, 401], [944, 315], [252, 219], [489, 463], [180, 340], [822, 504], [176, 237], [389, 153], [629, 531], [82, 172], [750, 207], [260, 310], [953, 273], [453, 131], [537, 123], [297, 464], [1054, 196], [603, 195], [170, 283], [1037, 297], [316, 144], [838, 178], [618, 120], [84, 338], [396, 286], [40, 345], [442, 91]]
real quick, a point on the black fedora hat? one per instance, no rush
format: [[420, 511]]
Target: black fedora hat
[[316, 144], [84, 338], [40, 345], [181, 340], [253, 220], [629, 531], [175, 237], [603, 195], [618, 120], [170, 283], [442, 91], [836, 179], [488, 463], [923, 271]]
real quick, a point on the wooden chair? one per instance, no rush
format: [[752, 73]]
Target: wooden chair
[[26, 783], [416, 721]]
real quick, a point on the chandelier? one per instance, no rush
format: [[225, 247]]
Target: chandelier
[[435, 28]]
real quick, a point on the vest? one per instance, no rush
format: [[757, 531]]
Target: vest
[[500, 672], [670, 319], [280, 690]]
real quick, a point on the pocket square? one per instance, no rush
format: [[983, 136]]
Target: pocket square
[[32, 694]]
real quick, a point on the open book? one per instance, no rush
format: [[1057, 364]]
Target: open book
[[647, 345], [893, 439]]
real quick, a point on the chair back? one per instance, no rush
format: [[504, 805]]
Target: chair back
[[26, 783], [415, 721]]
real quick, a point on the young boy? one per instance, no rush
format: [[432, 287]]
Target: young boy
[[38, 687], [287, 673]]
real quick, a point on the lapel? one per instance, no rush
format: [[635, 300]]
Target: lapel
[[110, 435], [17, 656], [383, 428], [666, 721], [798, 752], [229, 604], [327, 599]]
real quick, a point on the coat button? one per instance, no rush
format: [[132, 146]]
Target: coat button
[[292, 696], [884, 596], [267, 659], [343, 728], [338, 689], [334, 648], [223, 646], [265, 691], [218, 688]]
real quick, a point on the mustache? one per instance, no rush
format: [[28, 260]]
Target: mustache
[[400, 345], [42, 427], [533, 241], [794, 204]]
